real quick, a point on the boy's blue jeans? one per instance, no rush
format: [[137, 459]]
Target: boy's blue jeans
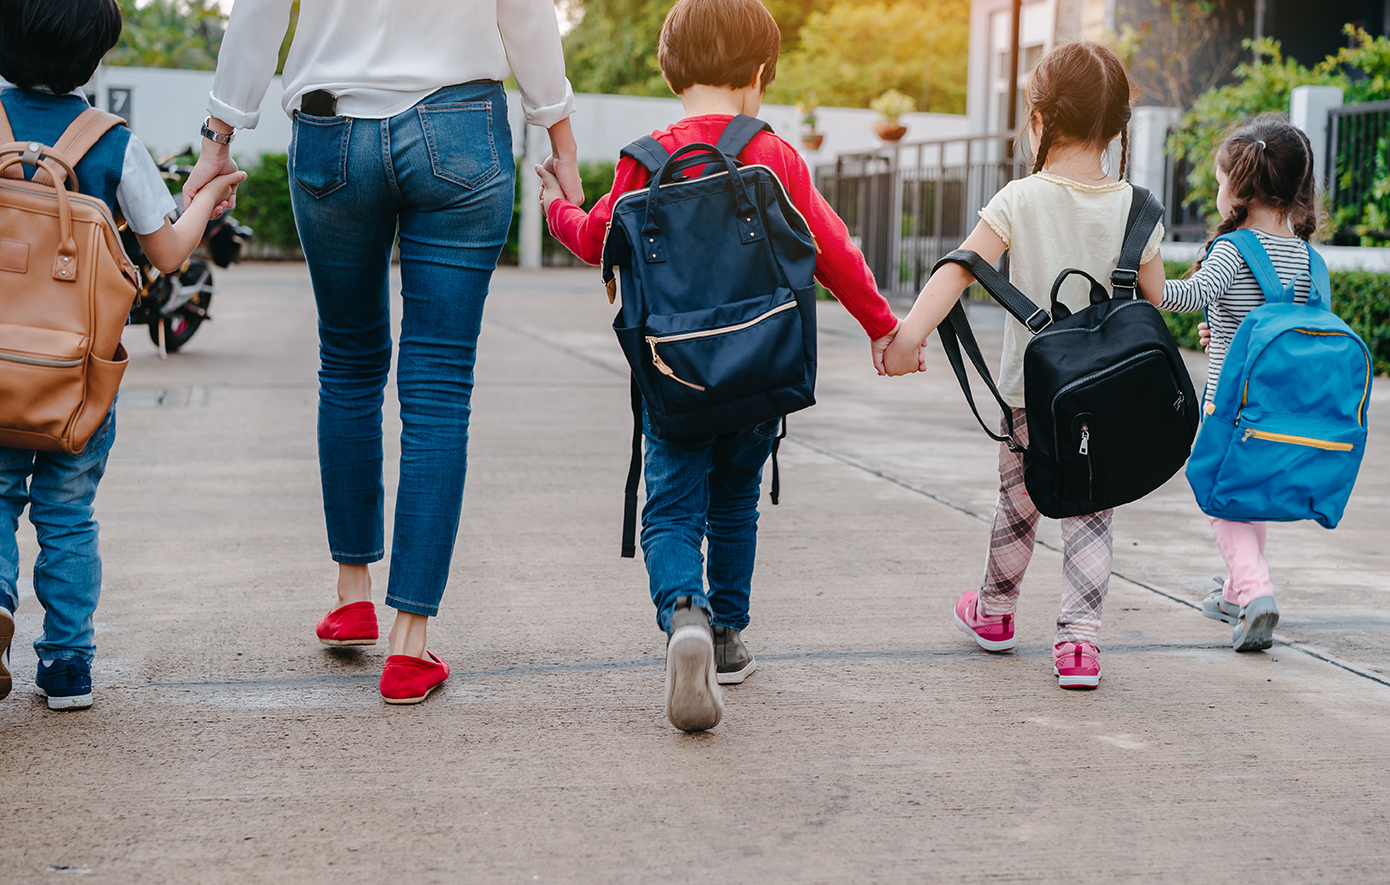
[[58, 489], [440, 176], [697, 491]]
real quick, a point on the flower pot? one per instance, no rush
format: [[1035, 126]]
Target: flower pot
[[812, 140], [889, 131]]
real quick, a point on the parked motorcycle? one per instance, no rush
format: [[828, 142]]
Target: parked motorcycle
[[174, 306]]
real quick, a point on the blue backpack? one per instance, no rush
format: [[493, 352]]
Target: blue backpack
[[718, 317], [1284, 438]]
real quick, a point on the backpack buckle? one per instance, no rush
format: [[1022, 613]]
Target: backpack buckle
[[1124, 278], [1039, 321]]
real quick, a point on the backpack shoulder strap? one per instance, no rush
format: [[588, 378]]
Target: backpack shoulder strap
[[1145, 212], [649, 152], [1320, 286], [80, 136], [1019, 306], [741, 130], [6, 138], [1257, 259]]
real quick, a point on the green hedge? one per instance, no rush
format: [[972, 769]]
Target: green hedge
[[1359, 297], [263, 202]]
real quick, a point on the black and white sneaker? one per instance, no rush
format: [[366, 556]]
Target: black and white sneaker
[[694, 701], [733, 662]]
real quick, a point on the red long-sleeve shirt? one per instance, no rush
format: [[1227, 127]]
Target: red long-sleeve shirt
[[840, 266]]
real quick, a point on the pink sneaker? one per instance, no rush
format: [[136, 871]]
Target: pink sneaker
[[991, 634], [1076, 664]]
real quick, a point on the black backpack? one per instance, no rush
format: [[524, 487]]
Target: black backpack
[[718, 316], [1111, 409]]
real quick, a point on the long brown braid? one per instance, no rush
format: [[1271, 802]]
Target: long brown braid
[[1268, 162], [1063, 90]]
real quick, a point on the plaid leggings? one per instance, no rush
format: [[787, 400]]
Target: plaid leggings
[[1086, 552]]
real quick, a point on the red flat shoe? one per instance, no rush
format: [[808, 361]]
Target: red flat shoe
[[409, 680], [351, 624]]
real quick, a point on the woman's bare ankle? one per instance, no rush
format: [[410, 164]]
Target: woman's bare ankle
[[354, 584], [408, 634]]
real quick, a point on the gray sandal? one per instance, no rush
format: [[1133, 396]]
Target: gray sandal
[[1255, 630], [1216, 607]]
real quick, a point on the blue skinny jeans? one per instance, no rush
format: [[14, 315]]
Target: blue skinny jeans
[[696, 492], [440, 177]]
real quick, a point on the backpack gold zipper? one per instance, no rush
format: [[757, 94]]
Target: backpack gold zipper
[[1251, 432], [654, 340]]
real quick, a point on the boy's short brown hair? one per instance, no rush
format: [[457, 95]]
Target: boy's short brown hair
[[718, 43]]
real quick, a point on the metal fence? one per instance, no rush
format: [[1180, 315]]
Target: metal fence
[[1358, 139], [908, 205]]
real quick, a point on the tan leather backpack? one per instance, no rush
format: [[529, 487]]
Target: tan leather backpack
[[66, 287]]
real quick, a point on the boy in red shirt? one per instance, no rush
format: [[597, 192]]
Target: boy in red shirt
[[719, 56]]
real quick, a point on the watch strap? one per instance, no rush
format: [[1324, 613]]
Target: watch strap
[[218, 137]]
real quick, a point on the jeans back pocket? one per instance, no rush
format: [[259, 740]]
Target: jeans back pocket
[[318, 158], [459, 138]]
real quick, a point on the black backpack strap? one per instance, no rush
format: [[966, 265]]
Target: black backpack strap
[[738, 133], [956, 335], [776, 472], [634, 476], [1034, 318], [1145, 212], [649, 152]]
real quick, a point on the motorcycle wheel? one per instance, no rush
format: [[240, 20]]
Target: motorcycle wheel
[[185, 320]]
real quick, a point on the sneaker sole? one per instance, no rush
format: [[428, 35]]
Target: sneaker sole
[[1259, 628], [342, 642], [6, 637], [736, 677], [1076, 681], [693, 701], [986, 644], [69, 702], [403, 701]]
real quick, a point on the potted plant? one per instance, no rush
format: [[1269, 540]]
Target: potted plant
[[806, 110], [891, 105]]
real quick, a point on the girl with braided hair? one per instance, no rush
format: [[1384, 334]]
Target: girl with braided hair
[[1265, 173], [1070, 213]]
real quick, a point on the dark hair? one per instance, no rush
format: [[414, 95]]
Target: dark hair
[[1083, 93], [1268, 161], [718, 43], [56, 44]]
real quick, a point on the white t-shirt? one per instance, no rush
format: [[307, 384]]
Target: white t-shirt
[[1052, 223], [144, 200], [380, 57]]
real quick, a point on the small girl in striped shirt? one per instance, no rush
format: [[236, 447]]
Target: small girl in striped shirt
[[1265, 173]]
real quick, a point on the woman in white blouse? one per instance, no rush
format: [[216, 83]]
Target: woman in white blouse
[[400, 129]]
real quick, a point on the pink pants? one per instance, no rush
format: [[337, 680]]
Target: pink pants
[[1086, 552], [1242, 545]]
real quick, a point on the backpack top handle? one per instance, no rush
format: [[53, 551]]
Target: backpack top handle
[[749, 221]]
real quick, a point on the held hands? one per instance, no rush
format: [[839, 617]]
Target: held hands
[[221, 191], [879, 345], [551, 190], [214, 162], [901, 356]]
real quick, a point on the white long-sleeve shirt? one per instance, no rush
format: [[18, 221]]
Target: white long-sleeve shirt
[[380, 57]]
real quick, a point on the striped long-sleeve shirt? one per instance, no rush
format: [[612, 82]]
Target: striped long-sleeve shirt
[[1226, 288]]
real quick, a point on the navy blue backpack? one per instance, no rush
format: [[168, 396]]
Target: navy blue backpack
[[718, 317]]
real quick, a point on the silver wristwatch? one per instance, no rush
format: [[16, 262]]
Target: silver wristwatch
[[216, 136]]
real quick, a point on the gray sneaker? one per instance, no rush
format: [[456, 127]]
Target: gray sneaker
[[732, 660], [1255, 629], [1217, 608], [694, 701]]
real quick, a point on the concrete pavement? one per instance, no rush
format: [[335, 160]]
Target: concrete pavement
[[873, 744]]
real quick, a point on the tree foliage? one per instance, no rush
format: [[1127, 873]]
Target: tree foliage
[[1181, 48], [170, 34], [848, 52]]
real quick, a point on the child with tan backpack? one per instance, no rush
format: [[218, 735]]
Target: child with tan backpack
[[67, 171]]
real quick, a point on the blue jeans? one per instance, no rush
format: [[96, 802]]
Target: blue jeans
[[441, 176], [698, 491], [58, 489]]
